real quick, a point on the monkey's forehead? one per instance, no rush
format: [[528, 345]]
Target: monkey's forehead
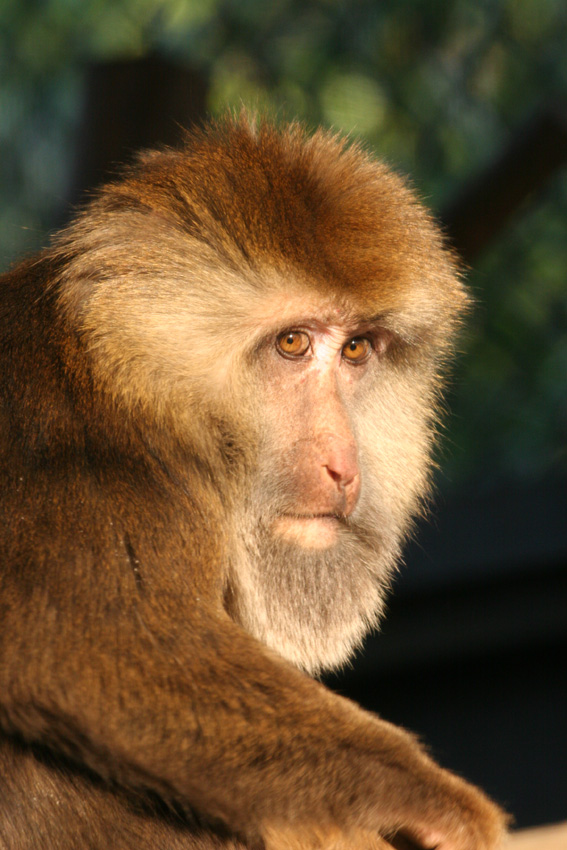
[[264, 194]]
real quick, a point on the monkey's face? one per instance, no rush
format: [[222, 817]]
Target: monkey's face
[[321, 526], [273, 314]]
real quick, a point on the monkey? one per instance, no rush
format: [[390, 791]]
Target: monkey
[[220, 395]]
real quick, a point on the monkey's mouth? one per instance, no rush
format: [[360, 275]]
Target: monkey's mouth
[[312, 531]]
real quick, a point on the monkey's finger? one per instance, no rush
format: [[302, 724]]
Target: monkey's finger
[[399, 841]]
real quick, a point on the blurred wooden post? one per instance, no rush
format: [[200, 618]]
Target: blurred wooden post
[[130, 105]]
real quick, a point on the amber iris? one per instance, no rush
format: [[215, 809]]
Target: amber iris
[[293, 343], [357, 350]]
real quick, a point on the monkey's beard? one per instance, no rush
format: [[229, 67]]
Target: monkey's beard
[[313, 605]]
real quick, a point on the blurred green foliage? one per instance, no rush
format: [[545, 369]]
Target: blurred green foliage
[[437, 88]]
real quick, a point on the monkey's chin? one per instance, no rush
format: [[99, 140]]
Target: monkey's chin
[[310, 532]]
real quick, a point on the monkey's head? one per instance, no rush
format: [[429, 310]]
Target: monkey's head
[[282, 307]]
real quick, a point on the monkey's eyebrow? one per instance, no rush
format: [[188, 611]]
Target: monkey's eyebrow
[[396, 324], [378, 320], [358, 325]]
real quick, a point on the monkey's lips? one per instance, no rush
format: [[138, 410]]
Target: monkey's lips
[[312, 531]]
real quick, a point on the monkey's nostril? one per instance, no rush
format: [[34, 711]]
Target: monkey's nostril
[[336, 476], [342, 474], [348, 485]]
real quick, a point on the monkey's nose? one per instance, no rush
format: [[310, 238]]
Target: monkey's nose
[[341, 467]]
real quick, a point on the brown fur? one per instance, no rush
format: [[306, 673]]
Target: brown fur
[[147, 697]]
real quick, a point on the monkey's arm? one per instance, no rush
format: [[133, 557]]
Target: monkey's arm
[[199, 712]]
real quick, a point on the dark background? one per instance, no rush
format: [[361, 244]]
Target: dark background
[[470, 98]]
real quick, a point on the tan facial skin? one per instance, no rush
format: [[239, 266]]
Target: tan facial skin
[[318, 367]]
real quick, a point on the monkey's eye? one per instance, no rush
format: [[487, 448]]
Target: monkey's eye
[[293, 343], [357, 350]]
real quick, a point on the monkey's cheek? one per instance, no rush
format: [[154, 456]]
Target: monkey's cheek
[[318, 532]]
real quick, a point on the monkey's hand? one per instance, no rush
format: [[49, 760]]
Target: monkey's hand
[[412, 803], [425, 806]]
